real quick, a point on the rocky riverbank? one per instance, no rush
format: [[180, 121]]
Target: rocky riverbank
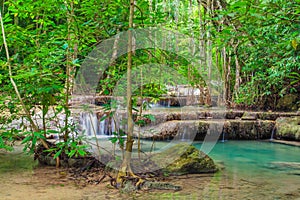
[[196, 123]]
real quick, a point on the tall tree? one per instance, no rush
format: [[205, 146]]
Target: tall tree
[[125, 169], [71, 56]]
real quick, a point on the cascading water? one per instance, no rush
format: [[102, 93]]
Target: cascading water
[[223, 137], [91, 126], [273, 133]]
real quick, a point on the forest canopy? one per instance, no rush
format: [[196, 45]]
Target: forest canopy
[[254, 45]]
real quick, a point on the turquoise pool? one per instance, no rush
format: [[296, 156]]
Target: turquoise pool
[[256, 170]]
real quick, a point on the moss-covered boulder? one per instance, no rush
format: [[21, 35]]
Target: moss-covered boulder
[[288, 128], [288, 102], [184, 158]]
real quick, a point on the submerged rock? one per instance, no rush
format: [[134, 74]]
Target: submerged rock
[[184, 158], [285, 166]]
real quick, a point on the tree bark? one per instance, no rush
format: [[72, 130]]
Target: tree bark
[[125, 168], [226, 74], [70, 67], [201, 37], [209, 56], [130, 124], [237, 72]]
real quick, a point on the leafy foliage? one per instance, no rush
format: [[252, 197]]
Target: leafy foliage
[[268, 35], [48, 38]]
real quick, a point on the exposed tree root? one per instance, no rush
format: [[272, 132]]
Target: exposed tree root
[[86, 170], [125, 173], [128, 181]]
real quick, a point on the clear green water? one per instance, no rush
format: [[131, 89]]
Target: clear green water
[[251, 170], [255, 158], [254, 170]]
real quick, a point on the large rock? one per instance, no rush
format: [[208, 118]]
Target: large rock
[[183, 158], [198, 129], [170, 129], [248, 129], [288, 102], [288, 128], [249, 116]]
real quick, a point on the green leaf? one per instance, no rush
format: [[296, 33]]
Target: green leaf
[[52, 132], [82, 152], [113, 139], [26, 139], [57, 154], [72, 153], [150, 117]]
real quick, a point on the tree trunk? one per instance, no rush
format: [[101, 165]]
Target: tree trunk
[[34, 127], [202, 48], [125, 168], [209, 56], [227, 81], [70, 67], [226, 75], [237, 73], [201, 37], [129, 92]]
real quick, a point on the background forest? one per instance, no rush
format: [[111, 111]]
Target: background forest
[[255, 45]]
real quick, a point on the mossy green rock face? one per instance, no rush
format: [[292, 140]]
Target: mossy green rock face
[[184, 159], [288, 102], [288, 128]]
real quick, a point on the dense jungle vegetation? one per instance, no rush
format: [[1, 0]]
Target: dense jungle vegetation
[[254, 44]]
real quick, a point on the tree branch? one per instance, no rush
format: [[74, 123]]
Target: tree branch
[[27, 113]]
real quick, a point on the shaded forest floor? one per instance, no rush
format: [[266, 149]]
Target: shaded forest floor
[[45, 183], [23, 178]]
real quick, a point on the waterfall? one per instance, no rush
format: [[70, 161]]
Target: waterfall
[[185, 133], [273, 133], [91, 126], [223, 136]]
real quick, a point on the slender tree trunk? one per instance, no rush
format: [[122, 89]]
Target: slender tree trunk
[[209, 54], [202, 49], [177, 5], [70, 67], [125, 168], [219, 68], [130, 124], [114, 55], [72, 50], [237, 72], [34, 127], [227, 79], [140, 113], [225, 75], [201, 34]]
